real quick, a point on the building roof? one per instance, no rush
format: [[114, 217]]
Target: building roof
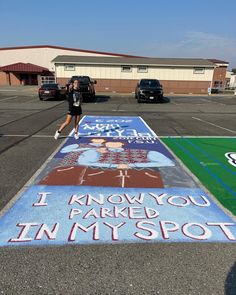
[[67, 48], [23, 68], [221, 62], [145, 61]]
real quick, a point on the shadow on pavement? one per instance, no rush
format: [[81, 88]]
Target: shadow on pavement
[[230, 283], [102, 98], [165, 99], [98, 99]]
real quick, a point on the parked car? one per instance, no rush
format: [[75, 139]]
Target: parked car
[[54, 91], [148, 90], [86, 86]]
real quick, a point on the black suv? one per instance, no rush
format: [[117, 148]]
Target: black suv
[[148, 90], [86, 86]]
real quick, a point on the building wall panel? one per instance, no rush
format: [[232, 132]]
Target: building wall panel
[[3, 79], [115, 72], [128, 86], [219, 76], [14, 79]]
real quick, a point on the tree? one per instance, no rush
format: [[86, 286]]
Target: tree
[[234, 70]]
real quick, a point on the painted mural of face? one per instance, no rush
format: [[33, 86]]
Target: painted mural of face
[[114, 144], [98, 140]]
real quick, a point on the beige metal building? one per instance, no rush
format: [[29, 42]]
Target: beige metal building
[[120, 74]]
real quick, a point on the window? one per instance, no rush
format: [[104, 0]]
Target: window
[[69, 67], [142, 69], [126, 69], [218, 84], [198, 70]]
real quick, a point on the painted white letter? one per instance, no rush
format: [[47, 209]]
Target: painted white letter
[[165, 230], [206, 204], [206, 233], [134, 212], [51, 234], [74, 212], [76, 225], [138, 199], [91, 199], [158, 198], [120, 200], [105, 212], [185, 203], [42, 199], [24, 231], [114, 228], [224, 229], [91, 212], [76, 199], [153, 234], [151, 213], [119, 211]]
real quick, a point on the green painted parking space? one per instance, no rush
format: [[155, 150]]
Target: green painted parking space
[[213, 161]]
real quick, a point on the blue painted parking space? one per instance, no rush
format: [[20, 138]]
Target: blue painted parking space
[[117, 184]]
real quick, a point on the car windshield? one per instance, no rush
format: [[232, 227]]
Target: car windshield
[[51, 86], [149, 83], [82, 79]]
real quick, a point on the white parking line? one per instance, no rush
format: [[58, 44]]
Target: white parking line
[[8, 98], [34, 99], [26, 135], [232, 131], [14, 135], [211, 101], [204, 100], [6, 90]]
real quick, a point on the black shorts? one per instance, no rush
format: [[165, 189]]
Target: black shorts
[[75, 111]]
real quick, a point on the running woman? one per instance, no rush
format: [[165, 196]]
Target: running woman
[[75, 110]]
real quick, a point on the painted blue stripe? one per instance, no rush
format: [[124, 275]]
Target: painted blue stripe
[[204, 167], [209, 156]]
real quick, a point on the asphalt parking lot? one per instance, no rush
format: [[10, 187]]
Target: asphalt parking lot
[[27, 126]]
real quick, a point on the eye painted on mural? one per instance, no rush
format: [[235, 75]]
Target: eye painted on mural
[[231, 158]]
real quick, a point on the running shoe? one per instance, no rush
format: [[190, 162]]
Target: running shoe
[[57, 134]]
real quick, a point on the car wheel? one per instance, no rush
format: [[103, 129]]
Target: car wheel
[[160, 98], [138, 99], [40, 98]]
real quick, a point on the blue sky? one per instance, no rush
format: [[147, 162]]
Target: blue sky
[[156, 28]]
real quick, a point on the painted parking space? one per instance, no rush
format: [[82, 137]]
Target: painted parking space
[[213, 161], [117, 184]]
